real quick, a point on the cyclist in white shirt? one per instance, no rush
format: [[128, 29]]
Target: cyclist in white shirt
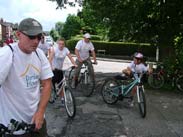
[[44, 46], [57, 57], [82, 50], [24, 66], [138, 66]]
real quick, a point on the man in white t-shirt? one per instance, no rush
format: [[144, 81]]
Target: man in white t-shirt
[[23, 67], [44, 46], [82, 51]]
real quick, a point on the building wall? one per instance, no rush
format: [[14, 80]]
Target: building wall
[[0, 32], [4, 32]]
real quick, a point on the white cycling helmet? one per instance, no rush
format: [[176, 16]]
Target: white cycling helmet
[[138, 55]]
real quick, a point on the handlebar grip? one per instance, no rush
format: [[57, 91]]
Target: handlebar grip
[[23, 125]]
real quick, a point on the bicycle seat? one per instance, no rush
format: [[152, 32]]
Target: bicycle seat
[[120, 77]]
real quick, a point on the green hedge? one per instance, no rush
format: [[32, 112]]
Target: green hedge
[[119, 48]]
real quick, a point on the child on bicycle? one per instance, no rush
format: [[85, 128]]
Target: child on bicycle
[[137, 65], [57, 58]]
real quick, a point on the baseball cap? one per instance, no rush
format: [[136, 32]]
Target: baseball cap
[[30, 27], [138, 55], [87, 35]]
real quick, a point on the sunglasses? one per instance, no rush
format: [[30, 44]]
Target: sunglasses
[[39, 36]]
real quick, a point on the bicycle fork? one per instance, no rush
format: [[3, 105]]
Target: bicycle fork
[[86, 75], [138, 95]]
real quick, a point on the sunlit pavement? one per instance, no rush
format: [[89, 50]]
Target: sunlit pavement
[[94, 118]]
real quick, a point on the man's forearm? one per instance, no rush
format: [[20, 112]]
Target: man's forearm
[[45, 96], [77, 55], [94, 56]]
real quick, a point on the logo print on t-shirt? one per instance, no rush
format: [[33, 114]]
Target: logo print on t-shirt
[[31, 75], [85, 47]]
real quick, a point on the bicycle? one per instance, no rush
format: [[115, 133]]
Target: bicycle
[[174, 79], [69, 100], [156, 79], [117, 89], [16, 126], [85, 79]]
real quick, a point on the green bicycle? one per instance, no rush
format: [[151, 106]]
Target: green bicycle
[[115, 89]]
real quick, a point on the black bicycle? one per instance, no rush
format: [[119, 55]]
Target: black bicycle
[[69, 100], [16, 126], [85, 80]]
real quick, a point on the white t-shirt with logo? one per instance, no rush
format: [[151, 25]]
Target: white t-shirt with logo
[[20, 76], [139, 68], [84, 49], [44, 47], [59, 57]]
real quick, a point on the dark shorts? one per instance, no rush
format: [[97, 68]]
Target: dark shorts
[[58, 76]]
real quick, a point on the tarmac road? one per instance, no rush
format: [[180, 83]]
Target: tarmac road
[[94, 118]]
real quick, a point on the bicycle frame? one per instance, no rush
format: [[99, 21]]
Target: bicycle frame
[[83, 72], [63, 84], [112, 91], [125, 89]]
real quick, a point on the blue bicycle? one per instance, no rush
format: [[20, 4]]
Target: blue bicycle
[[121, 87]]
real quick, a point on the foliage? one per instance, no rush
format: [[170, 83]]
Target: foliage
[[175, 61], [54, 34], [72, 26], [62, 3], [59, 27], [118, 48], [128, 20], [179, 50]]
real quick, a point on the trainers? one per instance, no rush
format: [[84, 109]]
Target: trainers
[[62, 102], [131, 103], [73, 84]]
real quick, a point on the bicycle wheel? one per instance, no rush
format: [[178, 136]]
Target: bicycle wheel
[[87, 85], [53, 95], [109, 92], [179, 83], [155, 80], [70, 105], [71, 76], [141, 102]]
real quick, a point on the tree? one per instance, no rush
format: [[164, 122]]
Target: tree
[[54, 34], [72, 26], [138, 20], [59, 27], [62, 3]]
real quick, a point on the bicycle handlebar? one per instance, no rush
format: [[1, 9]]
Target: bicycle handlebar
[[138, 75], [16, 126]]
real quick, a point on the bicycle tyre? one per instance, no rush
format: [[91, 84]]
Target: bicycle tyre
[[53, 95], [156, 81], [71, 77], [179, 83], [142, 102], [89, 87], [70, 104], [107, 90]]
